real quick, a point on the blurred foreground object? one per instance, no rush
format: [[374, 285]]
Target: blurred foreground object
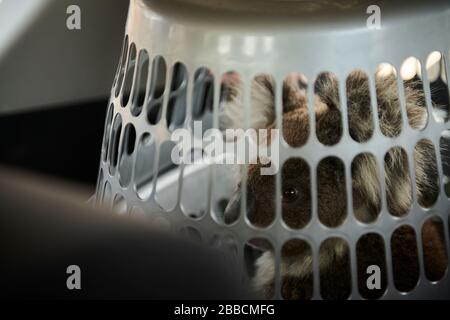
[[45, 227]]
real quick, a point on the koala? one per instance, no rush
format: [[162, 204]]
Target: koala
[[296, 264]]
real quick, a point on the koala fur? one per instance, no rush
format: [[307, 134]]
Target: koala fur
[[297, 272]]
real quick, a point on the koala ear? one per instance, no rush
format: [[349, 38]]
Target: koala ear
[[262, 108], [262, 112], [231, 108]]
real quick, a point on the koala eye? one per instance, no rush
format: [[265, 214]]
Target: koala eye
[[290, 194]]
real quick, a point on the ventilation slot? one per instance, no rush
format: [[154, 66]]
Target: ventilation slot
[[296, 270], [202, 101], [295, 109], [129, 76], [106, 198], [98, 190], [335, 279], [122, 67], [141, 83], [434, 249], [176, 110], [398, 182], [332, 196], [107, 132], [405, 259], [371, 261], [259, 263], [437, 77], [327, 109], [145, 160], [126, 156], [445, 159], [195, 185], [427, 178], [359, 106], [113, 153], [389, 110], [226, 199], [414, 94], [296, 193], [260, 197], [168, 177], [227, 244], [231, 110], [262, 106], [157, 88], [366, 188]]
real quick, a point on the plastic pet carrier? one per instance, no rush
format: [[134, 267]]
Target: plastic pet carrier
[[358, 204]]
